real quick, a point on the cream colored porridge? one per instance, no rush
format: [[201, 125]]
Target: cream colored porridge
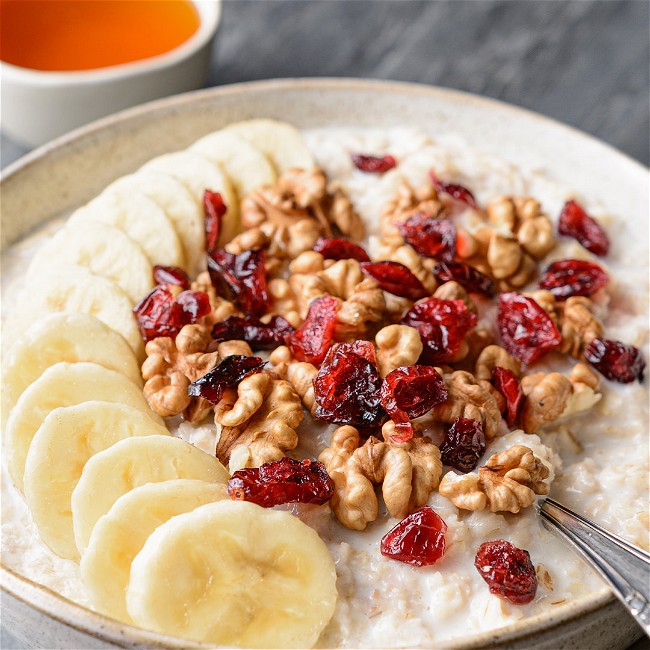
[[597, 460]]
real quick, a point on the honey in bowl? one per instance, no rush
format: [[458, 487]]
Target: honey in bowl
[[67, 35]]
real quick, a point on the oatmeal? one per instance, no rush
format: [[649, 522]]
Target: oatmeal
[[492, 436]]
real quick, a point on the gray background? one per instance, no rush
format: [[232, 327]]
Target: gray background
[[583, 62]]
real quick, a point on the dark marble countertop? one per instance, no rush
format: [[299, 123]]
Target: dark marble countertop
[[583, 62]]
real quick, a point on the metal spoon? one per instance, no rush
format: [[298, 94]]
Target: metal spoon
[[625, 567]]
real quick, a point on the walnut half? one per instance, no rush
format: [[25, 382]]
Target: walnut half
[[408, 472], [508, 482]]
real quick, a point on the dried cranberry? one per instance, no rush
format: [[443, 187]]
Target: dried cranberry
[[409, 392], [365, 349], [463, 445], [396, 279], [418, 540], [282, 481], [527, 331], [507, 383], [227, 374], [457, 192], [337, 248], [373, 164], [160, 313], [214, 209], [429, 236], [259, 335], [171, 275], [575, 222], [240, 278], [347, 389], [467, 276], [443, 325], [507, 570], [573, 278], [311, 341], [615, 360]]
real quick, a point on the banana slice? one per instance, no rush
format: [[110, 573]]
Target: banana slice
[[129, 464], [103, 250], [63, 337], [64, 384], [279, 141], [234, 574], [120, 534], [65, 441], [143, 220], [245, 164], [183, 209], [75, 289], [198, 174]]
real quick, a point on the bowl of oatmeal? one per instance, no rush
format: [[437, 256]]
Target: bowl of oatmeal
[[384, 154]]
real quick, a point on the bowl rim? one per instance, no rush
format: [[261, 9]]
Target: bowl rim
[[209, 19], [83, 618]]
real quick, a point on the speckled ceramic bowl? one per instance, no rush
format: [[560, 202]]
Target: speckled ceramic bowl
[[69, 171]]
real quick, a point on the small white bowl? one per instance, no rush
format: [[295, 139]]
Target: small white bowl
[[40, 105]]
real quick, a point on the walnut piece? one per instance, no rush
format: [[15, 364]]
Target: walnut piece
[[262, 415], [493, 356], [299, 374], [469, 398], [408, 472], [453, 291], [549, 397], [287, 218], [362, 300], [221, 308], [523, 218], [508, 482], [169, 368], [498, 256], [578, 325], [397, 345], [406, 202]]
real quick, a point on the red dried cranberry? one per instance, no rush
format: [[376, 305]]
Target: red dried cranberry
[[615, 360], [443, 325], [373, 164], [365, 349], [457, 192], [463, 445], [575, 222], [347, 388], [507, 570], [259, 335], [195, 304], [171, 275], [467, 276], [396, 279], [160, 313], [282, 481], [227, 374], [337, 248], [311, 341], [429, 236], [409, 392], [527, 331], [214, 209], [418, 540], [507, 383], [240, 278], [573, 278]]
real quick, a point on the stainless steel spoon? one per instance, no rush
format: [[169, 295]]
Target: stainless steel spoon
[[625, 567]]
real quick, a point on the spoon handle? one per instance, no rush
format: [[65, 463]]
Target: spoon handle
[[625, 567]]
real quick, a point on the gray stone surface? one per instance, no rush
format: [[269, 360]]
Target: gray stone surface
[[583, 62]]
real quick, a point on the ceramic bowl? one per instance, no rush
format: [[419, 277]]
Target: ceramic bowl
[[40, 105], [73, 169]]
